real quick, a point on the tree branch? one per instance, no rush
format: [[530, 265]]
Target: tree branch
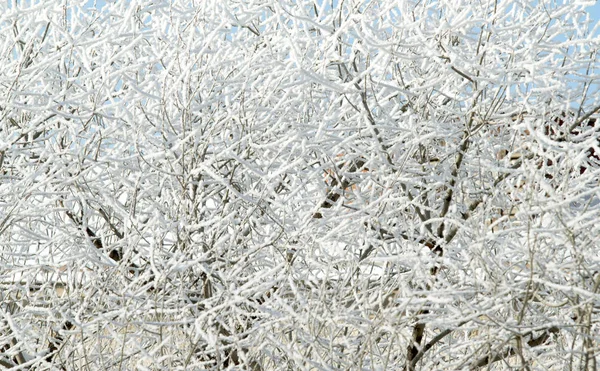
[[493, 357], [431, 343]]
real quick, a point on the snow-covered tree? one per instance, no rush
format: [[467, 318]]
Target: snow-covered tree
[[299, 185]]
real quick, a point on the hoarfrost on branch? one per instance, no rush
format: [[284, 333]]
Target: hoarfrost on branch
[[303, 185]]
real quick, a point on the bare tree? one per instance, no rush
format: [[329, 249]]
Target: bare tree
[[306, 185]]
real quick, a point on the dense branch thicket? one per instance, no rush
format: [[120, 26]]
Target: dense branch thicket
[[300, 185]]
